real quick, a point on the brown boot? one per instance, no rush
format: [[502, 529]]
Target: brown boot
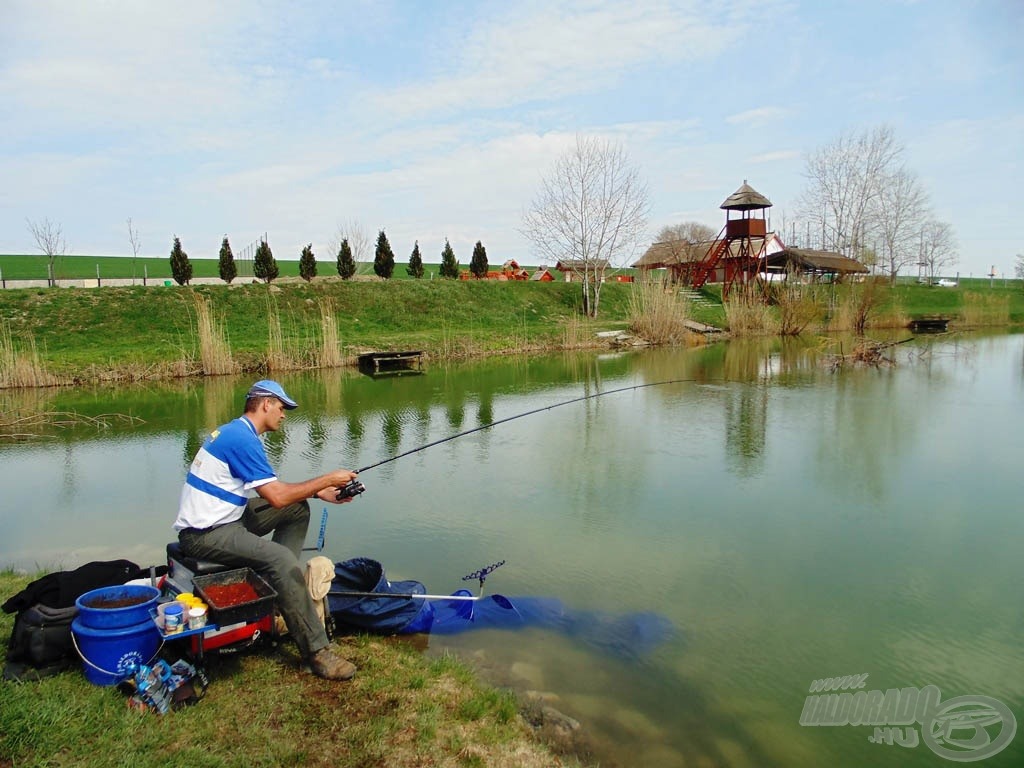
[[327, 664]]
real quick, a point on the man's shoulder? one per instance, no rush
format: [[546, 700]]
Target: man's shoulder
[[231, 435]]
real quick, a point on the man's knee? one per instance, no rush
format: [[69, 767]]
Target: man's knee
[[300, 511]]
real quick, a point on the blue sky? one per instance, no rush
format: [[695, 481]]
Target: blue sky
[[438, 119]]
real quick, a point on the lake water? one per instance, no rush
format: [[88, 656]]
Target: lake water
[[789, 521]]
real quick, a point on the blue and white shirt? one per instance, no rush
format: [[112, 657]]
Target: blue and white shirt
[[223, 476]]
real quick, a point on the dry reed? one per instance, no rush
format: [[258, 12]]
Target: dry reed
[[21, 367], [855, 306], [28, 425], [330, 349], [747, 314], [985, 309], [576, 333], [798, 307], [657, 313], [214, 349], [276, 358]]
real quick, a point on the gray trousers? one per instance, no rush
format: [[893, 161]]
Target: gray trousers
[[277, 560]]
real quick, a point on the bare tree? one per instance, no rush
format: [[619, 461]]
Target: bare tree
[[898, 213], [133, 238], [591, 212], [684, 244], [358, 243], [845, 180], [1018, 268], [689, 232], [938, 246], [50, 240]]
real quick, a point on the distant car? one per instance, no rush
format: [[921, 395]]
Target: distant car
[[946, 283]]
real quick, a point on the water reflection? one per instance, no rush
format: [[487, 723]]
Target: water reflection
[[746, 415], [792, 522]]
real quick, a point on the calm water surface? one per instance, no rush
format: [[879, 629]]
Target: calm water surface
[[792, 523]]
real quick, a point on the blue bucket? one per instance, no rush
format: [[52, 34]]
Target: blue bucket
[[110, 655], [124, 605]]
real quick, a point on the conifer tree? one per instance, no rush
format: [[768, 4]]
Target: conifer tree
[[383, 258], [264, 266], [307, 263], [181, 267], [415, 268], [478, 264], [346, 263], [226, 263], [449, 264]]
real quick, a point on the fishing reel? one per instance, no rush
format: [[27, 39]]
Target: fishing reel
[[351, 489]]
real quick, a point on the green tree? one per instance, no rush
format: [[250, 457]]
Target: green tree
[[226, 262], [307, 263], [415, 268], [181, 267], [383, 257], [449, 264], [478, 264], [346, 262], [264, 266]]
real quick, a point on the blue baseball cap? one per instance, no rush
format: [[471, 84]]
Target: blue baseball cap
[[268, 388]]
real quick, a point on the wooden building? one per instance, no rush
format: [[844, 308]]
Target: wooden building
[[810, 266], [573, 269]]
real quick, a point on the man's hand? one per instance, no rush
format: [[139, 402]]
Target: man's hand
[[339, 478], [331, 494], [325, 488]]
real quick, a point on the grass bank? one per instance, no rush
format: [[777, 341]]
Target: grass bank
[[260, 710], [78, 334], [70, 335], [857, 307]]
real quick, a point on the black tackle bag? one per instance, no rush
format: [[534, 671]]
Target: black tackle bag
[[41, 643]]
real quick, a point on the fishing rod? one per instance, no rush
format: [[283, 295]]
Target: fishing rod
[[480, 575], [354, 487]]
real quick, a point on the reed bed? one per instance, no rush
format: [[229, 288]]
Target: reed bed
[[281, 357], [857, 306], [799, 306], [330, 348], [747, 314], [214, 348], [985, 309], [21, 367], [277, 359], [577, 333], [658, 314]]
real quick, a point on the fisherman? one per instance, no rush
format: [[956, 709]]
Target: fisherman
[[232, 498]]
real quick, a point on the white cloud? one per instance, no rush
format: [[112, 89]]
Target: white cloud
[[772, 157], [545, 51], [758, 116]]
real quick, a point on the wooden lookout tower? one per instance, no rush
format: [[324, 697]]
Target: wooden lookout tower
[[736, 251]]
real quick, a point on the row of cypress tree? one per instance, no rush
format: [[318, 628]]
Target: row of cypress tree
[[265, 267]]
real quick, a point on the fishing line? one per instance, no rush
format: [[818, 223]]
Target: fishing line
[[530, 413]]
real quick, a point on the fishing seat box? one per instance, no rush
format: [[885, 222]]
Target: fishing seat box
[[239, 624]]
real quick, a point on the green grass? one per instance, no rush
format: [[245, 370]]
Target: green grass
[[260, 710], [150, 332], [74, 329]]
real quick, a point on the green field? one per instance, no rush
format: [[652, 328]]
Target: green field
[[33, 267]]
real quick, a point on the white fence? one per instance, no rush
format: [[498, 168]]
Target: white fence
[[103, 282]]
